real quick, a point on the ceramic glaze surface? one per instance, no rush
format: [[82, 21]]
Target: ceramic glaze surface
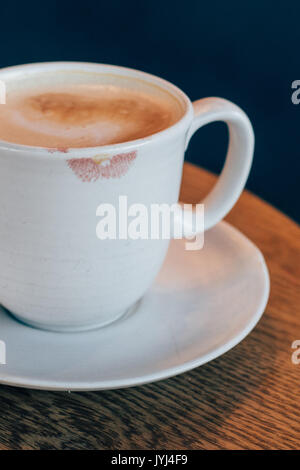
[[201, 305], [55, 273]]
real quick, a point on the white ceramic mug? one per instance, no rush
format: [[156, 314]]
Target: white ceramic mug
[[54, 272]]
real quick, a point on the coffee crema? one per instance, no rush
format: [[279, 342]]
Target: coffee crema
[[83, 115]]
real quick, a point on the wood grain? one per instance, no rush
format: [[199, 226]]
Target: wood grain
[[246, 399]]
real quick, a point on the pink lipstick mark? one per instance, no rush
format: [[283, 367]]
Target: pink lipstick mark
[[58, 149], [91, 169]]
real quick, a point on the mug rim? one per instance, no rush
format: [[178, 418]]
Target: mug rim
[[79, 152]]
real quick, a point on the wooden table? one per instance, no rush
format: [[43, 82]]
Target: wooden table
[[246, 399]]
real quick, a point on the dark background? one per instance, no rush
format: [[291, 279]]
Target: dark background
[[247, 52]]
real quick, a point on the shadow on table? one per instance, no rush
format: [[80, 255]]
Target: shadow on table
[[213, 406]]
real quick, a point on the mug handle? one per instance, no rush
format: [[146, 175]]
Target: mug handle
[[238, 161]]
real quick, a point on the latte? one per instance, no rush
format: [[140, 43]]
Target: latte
[[77, 115]]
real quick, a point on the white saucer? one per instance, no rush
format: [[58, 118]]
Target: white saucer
[[202, 304]]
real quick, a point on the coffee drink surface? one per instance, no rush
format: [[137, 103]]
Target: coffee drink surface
[[83, 115]]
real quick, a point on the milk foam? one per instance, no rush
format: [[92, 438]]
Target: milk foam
[[78, 115]]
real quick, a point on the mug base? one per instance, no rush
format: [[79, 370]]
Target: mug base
[[72, 328]]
